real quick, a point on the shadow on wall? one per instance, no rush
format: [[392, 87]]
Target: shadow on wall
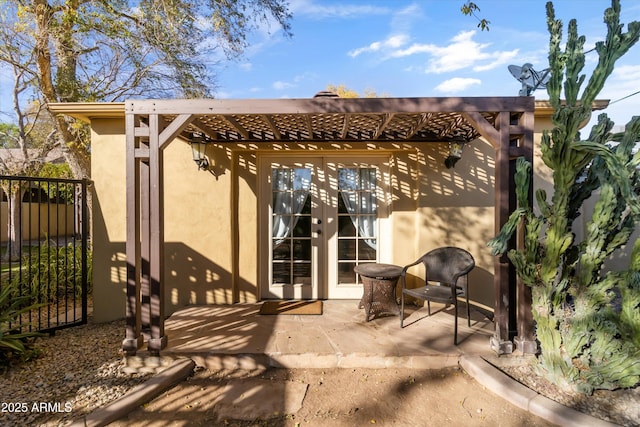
[[447, 206], [190, 277], [470, 183], [456, 208]]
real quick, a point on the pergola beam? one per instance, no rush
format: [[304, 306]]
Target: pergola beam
[[272, 125], [503, 277], [234, 123], [329, 106], [345, 126], [133, 337], [383, 125], [415, 127], [174, 128], [483, 126]]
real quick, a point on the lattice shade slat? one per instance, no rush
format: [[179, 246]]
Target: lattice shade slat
[[428, 127]]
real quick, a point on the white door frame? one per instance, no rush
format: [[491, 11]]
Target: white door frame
[[325, 242]]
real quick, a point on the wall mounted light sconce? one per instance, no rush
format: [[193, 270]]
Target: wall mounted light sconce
[[456, 144], [198, 149]]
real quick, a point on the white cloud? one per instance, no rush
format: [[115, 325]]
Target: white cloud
[[392, 42], [498, 59], [323, 11], [401, 23], [280, 85], [461, 52], [295, 81], [456, 84], [403, 19], [627, 73], [246, 66], [464, 52]]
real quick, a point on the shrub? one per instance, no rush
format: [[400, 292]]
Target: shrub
[[587, 320], [14, 344], [54, 271]]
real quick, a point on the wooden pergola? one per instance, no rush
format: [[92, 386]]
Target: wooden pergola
[[505, 122]]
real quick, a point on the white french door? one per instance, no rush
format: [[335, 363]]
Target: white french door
[[320, 217]]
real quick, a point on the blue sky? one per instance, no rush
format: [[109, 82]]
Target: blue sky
[[415, 48], [420, 48]]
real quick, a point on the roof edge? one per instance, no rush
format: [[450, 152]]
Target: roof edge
[[544, 108], [86, 111]]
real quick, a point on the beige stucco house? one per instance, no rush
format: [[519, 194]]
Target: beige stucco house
[[36, 207], [295, 193]]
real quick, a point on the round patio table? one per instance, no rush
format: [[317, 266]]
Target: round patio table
[[379, 282]]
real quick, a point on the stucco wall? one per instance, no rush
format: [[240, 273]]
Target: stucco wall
[[108, 170], [211, 217], [456, 208], [198, 250], [40, 220]]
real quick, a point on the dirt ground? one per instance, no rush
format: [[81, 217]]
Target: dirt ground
[[330, 397]]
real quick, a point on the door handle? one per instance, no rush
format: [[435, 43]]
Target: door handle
[[319, 232]]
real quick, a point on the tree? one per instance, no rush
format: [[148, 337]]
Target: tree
[[24, 145], [587, 321], [344, 92], [470, 8], [108, 50]]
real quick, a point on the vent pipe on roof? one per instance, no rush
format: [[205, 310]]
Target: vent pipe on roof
[[326, 94]]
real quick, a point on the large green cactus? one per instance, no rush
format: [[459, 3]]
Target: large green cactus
[[587, 321]]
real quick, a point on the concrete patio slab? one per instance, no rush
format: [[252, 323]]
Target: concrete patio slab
[[238, 337], [248, 399], [229, 336]]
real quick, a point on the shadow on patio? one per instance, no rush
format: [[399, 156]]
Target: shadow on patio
[[237, 336]]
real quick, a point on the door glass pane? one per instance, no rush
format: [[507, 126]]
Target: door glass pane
[[367, 228], [291, 226], [346, 227], [302, 250], [357, 220], [302, 273], [281, 273], [303, 227], [366, 252], [347, 249], [346, 273]]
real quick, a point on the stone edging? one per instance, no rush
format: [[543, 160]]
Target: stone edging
[[478, 368], [176, 372], [525, 398]]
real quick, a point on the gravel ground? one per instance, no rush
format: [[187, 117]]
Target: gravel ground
[[82, 369], [618, 406]]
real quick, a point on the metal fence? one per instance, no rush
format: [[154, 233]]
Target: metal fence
[[44, 251]]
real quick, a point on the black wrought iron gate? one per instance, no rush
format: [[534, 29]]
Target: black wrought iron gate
[[44, 253]]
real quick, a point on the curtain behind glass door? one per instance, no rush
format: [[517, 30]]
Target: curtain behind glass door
[[291, 225], [357, 220]]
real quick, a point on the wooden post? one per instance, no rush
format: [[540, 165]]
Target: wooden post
[[145, 280], [158, 339], [525, 341], [500, 341], [133, 338]]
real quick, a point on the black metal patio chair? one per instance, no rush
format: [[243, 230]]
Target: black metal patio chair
[[446, 271]]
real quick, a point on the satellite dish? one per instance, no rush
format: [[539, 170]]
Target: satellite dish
[[530, 78]]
